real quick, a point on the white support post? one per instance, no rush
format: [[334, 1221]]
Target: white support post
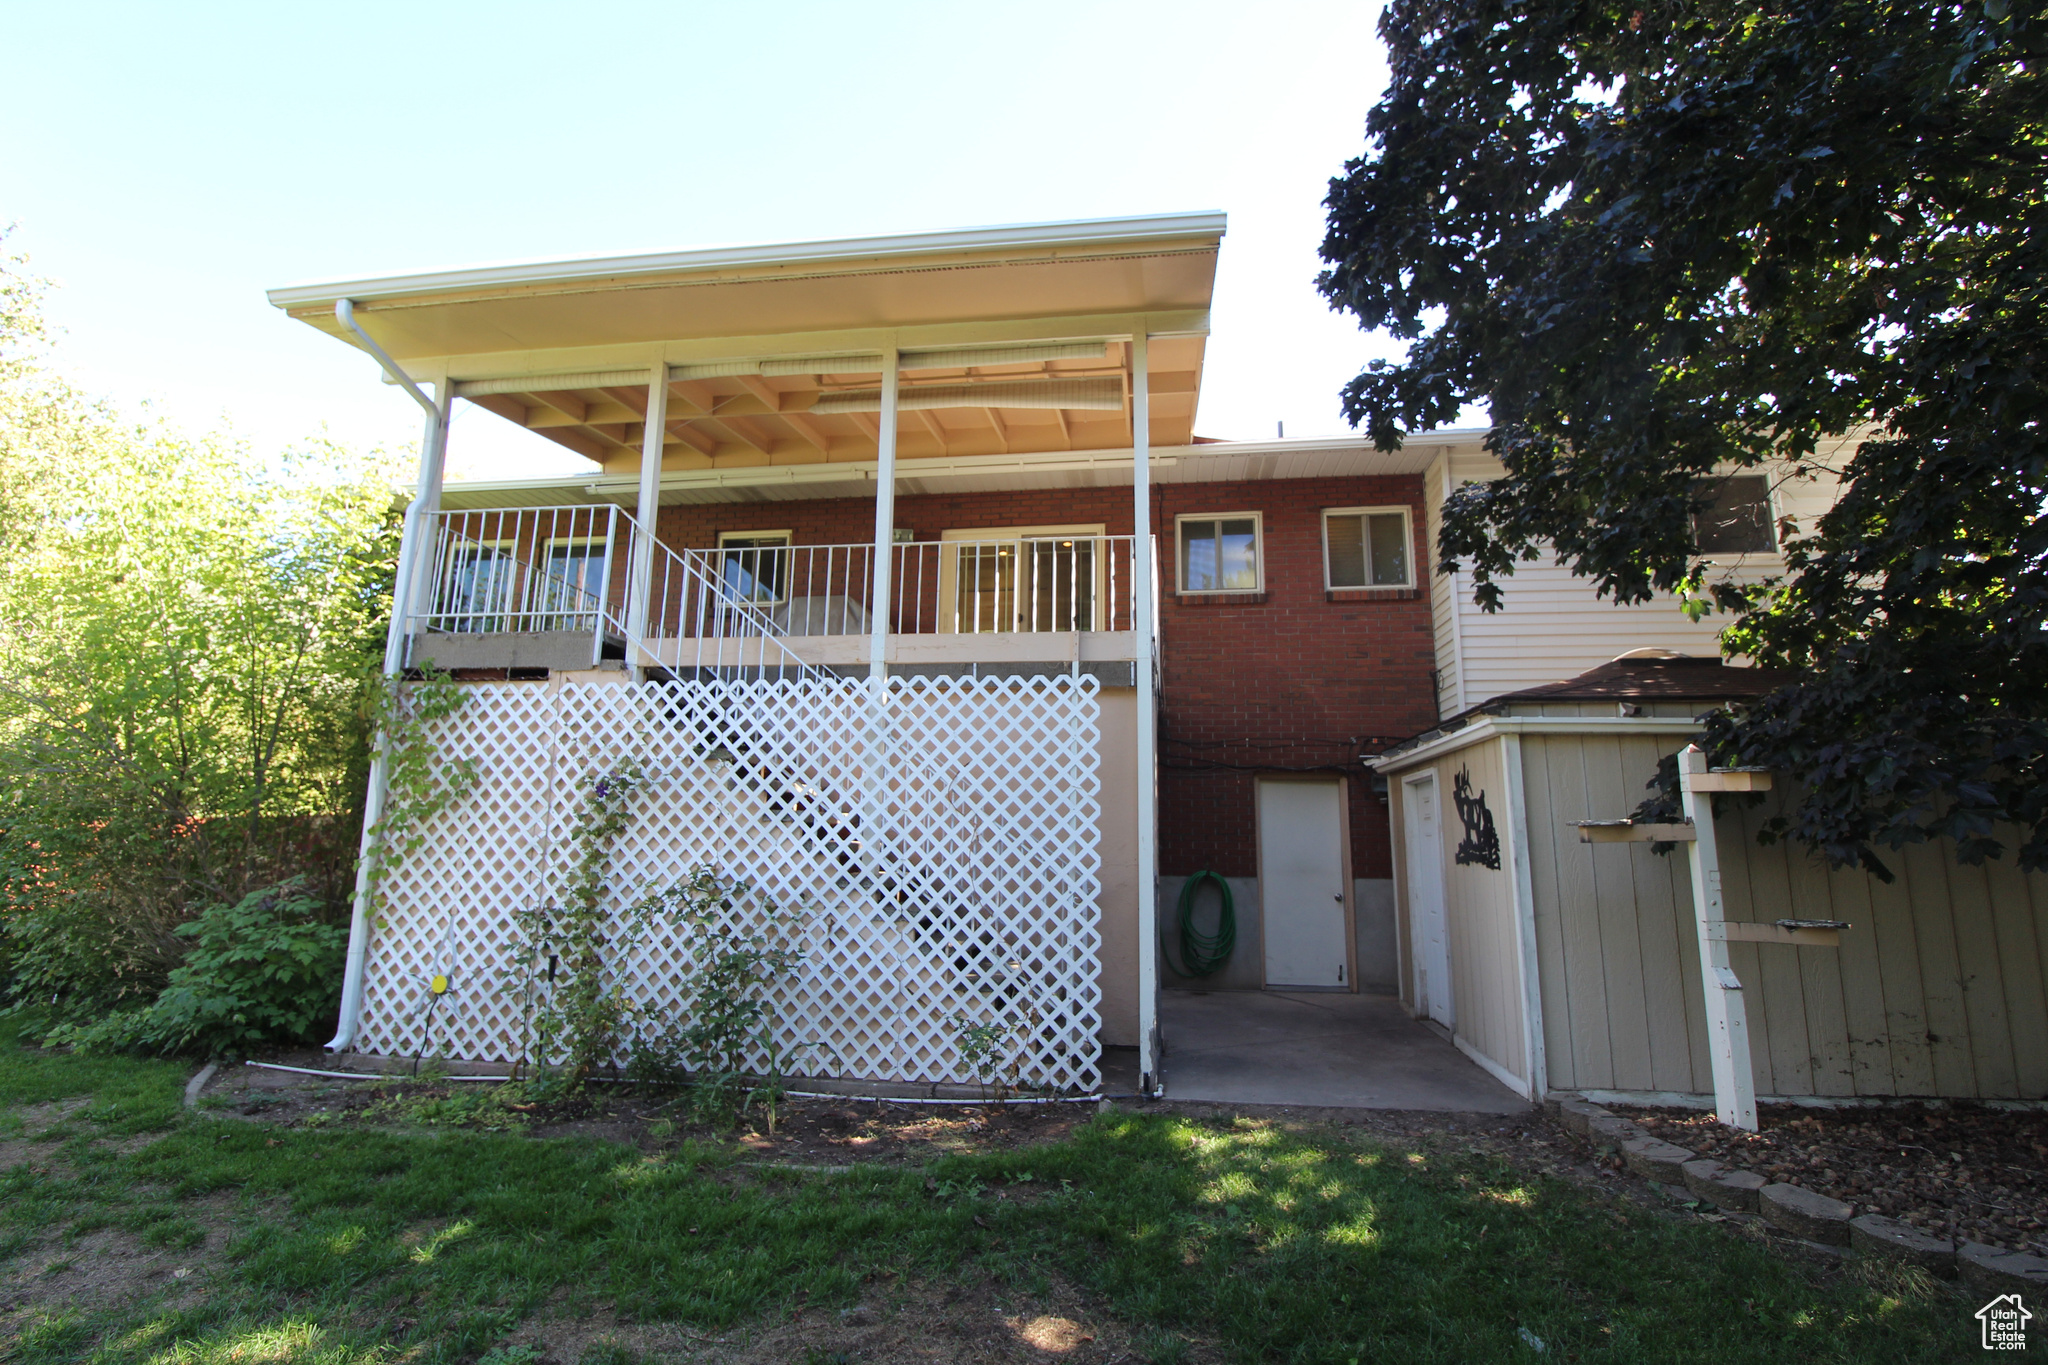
[[646, 511], [1727, 1016], [412, 578], [885, 528], [1148, 795]]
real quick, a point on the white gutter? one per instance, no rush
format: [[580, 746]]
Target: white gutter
[[1020, 238], [433, 450]]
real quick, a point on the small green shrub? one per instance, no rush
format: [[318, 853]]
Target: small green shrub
[[264, 970]]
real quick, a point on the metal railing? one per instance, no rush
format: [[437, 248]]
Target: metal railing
[[573, 569], [520, 569], [1026, 584]]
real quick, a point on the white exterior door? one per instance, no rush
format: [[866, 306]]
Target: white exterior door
[[1302, 885], [1432, 946]]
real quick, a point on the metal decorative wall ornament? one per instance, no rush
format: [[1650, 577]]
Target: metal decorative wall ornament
[[1481, 842]]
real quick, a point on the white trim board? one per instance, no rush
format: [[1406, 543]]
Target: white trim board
[[1493, 727], [1492, 1068]]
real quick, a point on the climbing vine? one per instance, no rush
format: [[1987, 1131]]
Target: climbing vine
[[578, 1014], [575, 1005], [725, 1012], [416, 787]]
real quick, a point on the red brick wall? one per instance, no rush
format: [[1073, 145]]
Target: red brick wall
[[1293, 681], [1290, 682]]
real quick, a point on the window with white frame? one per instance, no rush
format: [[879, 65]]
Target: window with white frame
[[754, 565], [572, 576], [1220, 552], [1368, 547]]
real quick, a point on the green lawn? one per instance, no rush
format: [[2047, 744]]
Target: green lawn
[[339, 1245]]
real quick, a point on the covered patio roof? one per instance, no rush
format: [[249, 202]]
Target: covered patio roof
[[1012, 341]]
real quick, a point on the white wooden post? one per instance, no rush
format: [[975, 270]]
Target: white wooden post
[[1141, 631], [647, 511], [885, 528], [1727, 1016]]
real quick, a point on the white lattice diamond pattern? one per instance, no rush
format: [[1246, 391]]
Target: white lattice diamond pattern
[[943, 849]]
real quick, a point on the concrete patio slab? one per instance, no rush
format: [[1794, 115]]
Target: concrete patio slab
[[1325, 1049]]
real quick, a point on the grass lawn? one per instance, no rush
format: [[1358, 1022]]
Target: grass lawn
[[1225, 1240]]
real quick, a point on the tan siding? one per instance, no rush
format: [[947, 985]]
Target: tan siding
[[2019, 912], [1936, 989], [1545, 869], [1554, 626], [1486, 993], [1442, 593]]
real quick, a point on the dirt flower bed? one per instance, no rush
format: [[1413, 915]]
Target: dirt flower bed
[[806, 1131], [1971, 1173]]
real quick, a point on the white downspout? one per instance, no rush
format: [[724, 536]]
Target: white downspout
[[1141, 630], [433, 454]]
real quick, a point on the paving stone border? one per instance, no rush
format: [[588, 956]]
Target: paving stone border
[[1798, 1210], [1725, 1187]]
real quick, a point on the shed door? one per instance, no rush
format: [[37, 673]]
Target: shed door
[[1431, 937], [1301, 884]]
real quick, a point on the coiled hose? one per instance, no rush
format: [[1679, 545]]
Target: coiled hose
[[1204, 954]]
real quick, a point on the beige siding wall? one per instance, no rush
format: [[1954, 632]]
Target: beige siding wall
[[1937, 989], [1119, 866], [1552, 625], [1479, 902]]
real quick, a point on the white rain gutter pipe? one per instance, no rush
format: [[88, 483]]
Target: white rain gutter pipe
[[433, 451]]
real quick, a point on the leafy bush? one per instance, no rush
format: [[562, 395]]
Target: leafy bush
[[190, 634], [264, 970]]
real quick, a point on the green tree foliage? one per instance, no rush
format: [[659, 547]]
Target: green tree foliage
[[1664, 240], [188, 641]]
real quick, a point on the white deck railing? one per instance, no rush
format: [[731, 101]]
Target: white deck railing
[[570, 569]]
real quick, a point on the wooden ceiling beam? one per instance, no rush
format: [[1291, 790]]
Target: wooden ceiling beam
[[694, 392], [748, 432], [1066, 429], [931, 424], [700, 441], [568, 404], [1002, 432], [807, 427], [758, 387]]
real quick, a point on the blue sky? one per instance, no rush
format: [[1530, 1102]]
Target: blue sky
[[166, 164]]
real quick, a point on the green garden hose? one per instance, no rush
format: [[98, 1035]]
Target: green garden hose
[[1204, 954]]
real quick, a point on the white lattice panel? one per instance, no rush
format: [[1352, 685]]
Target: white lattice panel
[[943, 850]]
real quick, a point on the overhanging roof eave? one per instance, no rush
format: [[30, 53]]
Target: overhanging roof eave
[[625, 270]]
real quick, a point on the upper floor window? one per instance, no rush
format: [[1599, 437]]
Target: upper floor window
[[754, 564], [1219, 552], [1733, 515], [1367, 547]]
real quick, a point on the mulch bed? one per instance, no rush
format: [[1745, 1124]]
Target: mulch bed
[[1968, 1172]]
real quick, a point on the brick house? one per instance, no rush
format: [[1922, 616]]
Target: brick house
[[904, 579]]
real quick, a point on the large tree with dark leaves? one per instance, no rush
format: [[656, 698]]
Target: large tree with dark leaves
[[1667, 239]]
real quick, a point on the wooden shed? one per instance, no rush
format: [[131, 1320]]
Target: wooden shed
[[1562, 965]]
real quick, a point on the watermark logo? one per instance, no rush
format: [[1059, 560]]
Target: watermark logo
[[2004, 1320]]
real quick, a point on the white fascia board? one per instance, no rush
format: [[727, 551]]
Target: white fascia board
[[854, 471], [1020, 237], [1492, 727]]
